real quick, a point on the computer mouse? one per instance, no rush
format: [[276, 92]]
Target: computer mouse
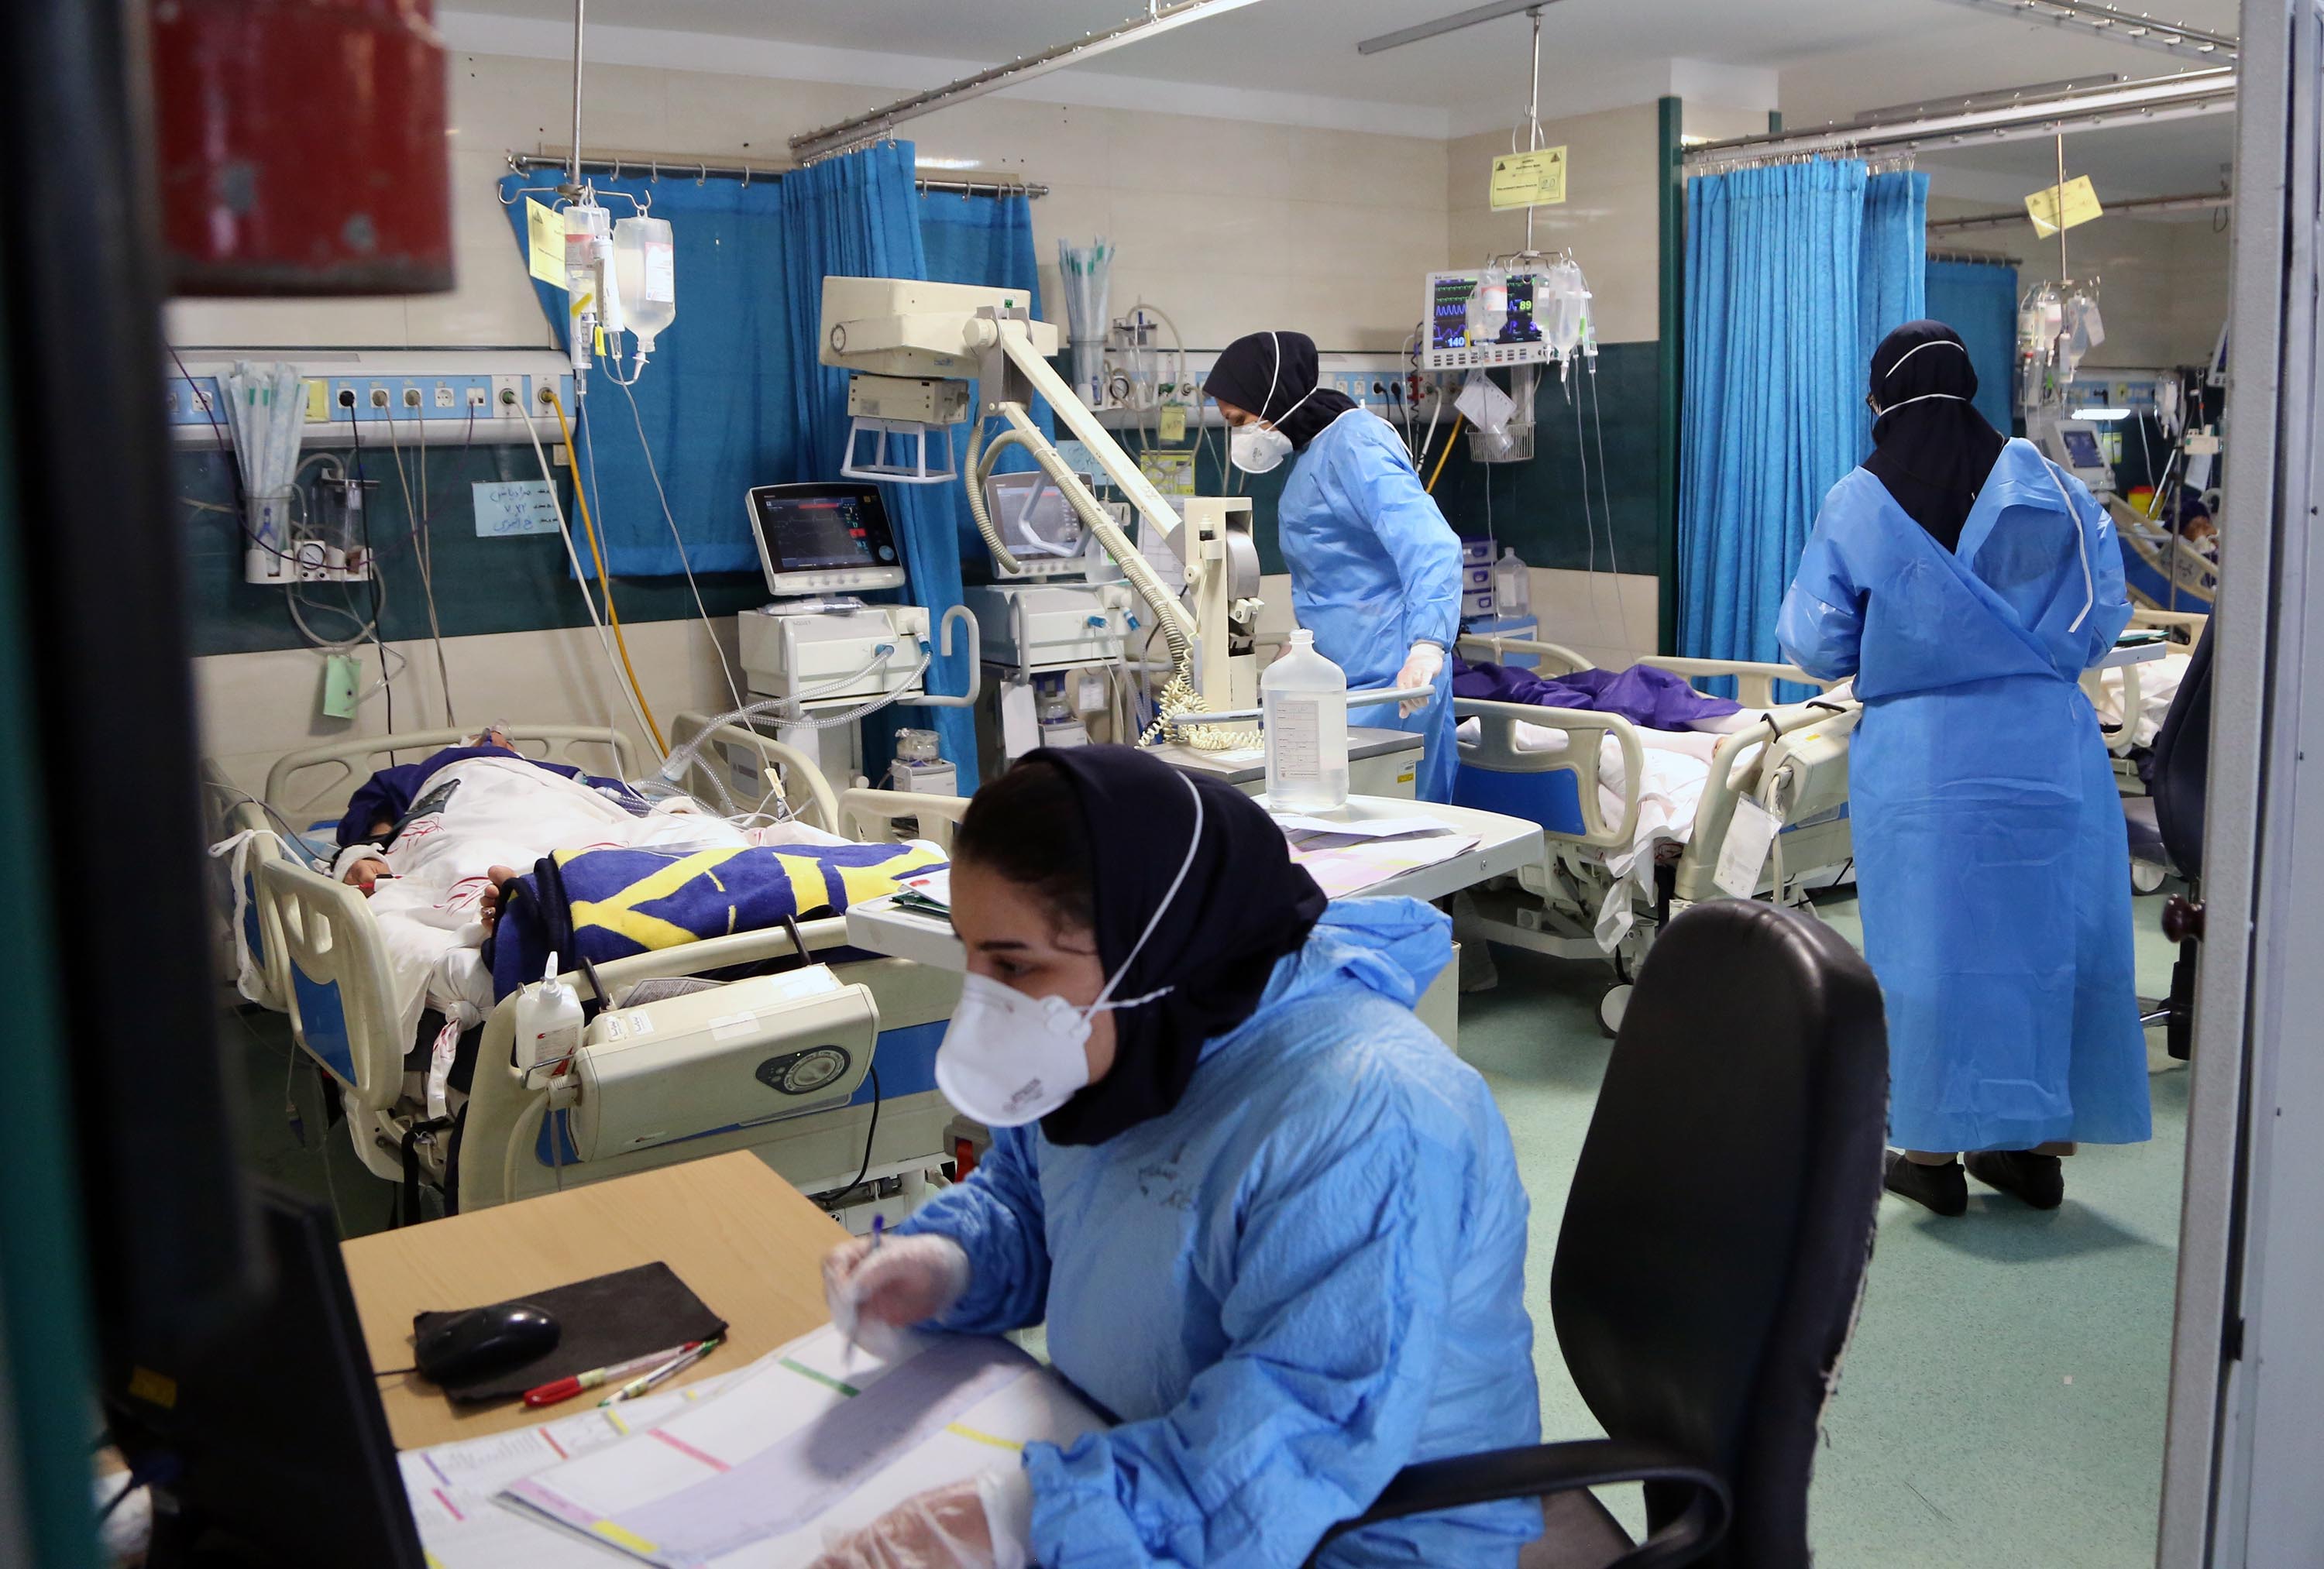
[[482, 1343]]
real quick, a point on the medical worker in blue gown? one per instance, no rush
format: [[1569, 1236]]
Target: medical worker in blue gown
[[1374, 569], [1273, 1226], [1966, 582]]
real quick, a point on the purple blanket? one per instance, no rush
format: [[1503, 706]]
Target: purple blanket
[[1642, 694]]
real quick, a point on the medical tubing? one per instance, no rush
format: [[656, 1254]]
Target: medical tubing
[[421, 555], [675, 765], [653, 471], [1452, 440], [565, 533], [605, 581]]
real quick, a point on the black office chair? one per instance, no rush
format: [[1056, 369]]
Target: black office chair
[[1712, 1254], [2166, 830]]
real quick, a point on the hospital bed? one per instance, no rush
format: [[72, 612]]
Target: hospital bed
[[1634, 822], [2131, 700], [779, 1063]]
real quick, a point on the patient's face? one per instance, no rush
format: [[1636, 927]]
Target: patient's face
[[1012, 937]]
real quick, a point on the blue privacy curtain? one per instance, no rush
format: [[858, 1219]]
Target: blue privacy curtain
[[986, 240], [716, 398], [858, 217], [1891, 271], [1979, 301], [1775, 379]]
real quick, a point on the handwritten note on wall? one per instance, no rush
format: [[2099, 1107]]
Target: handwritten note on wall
[[510, 507]]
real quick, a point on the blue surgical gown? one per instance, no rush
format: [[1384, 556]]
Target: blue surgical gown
[[1374, 569], [1991, 853], [1306, 1276]]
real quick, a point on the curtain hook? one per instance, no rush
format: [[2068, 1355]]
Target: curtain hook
[[746, 177], [617, 167], [704, 175], [653, 171]]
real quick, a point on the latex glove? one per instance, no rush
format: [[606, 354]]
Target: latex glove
[[1421, 666], [872, 1292], [963, 1525]]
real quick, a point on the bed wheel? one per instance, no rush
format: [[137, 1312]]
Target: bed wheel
[[1612, 1007], [2146, 878]]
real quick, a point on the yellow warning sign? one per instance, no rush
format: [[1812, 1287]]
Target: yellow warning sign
[[2081, 204], [1529, 179]]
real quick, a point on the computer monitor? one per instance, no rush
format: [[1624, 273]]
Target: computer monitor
[[281, 1448], [821, 539]]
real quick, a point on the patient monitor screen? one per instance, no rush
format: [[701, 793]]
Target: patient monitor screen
[[2081, 449], [821, 528]]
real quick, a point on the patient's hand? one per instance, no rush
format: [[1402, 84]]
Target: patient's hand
[[366, 873], [489, 908]]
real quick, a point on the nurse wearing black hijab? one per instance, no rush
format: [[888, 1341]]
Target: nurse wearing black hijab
[[1965, 583], [1273, 1226], [1374, 569]]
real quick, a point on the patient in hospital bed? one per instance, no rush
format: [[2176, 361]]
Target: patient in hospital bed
[[431, 844]]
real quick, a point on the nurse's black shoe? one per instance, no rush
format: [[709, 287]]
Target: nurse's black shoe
[[1938, 1187], [2039, 1179]]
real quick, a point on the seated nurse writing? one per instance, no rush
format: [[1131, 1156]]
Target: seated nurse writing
[[1273, 1226]]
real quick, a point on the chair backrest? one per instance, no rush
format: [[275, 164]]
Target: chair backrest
[[1721, 1219], [2179, 772]]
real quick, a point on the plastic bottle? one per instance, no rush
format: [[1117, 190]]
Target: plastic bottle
[[1304, 698], [1512, 589], [548, 1021], [645, 272]]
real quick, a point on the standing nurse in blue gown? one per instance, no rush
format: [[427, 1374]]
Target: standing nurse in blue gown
[[1374, 569], [1966, 582]]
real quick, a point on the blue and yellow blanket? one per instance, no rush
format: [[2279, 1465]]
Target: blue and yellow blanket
[[604, 904]]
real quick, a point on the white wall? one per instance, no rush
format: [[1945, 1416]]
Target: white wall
[[1227, 224]]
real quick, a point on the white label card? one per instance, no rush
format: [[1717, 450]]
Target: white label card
[[510, 507], [1749, 837]]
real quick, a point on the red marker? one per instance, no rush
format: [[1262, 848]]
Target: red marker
[[565, 1388]]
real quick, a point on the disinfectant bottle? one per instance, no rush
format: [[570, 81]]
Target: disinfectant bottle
[[548, 1021], [1512, 589], [1304, 698]]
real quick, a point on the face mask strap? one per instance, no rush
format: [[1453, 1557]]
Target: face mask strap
[[1275, 379], [1882, 413], [1194, 843]]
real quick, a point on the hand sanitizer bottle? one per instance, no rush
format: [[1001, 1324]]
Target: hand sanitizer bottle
[[1304, 699]]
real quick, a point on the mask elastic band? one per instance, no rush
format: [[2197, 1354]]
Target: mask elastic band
[[1192, 844], [1932, 343], [1924, 398]]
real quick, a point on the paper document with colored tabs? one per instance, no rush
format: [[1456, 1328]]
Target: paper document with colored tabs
[[1347, 858], [808, 1441]]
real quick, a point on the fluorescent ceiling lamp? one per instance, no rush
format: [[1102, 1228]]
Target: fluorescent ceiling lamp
[[2102, 20], [1995, 97], [1154, 20], [1444, 25], [2101, 414]]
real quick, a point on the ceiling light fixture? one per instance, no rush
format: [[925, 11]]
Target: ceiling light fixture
[[1444, 25], [1152, 22]]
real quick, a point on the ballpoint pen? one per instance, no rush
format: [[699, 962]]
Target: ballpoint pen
[[565, 1388], [668, 1369]]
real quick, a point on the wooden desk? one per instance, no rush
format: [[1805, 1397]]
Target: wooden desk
[[746, 1241]]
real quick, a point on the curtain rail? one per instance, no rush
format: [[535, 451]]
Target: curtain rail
[[695, 170]]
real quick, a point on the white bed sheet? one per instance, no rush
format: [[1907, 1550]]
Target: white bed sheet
[[2158, 683]]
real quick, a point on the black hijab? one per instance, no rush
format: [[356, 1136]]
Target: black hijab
[[1932, 454], [1244, 905], [1247, 368]]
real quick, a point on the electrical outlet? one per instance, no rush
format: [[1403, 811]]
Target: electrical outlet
[[444, 398], [169, 398], [378, 399]]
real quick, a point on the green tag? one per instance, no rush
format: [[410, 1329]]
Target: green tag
[[340, 673]]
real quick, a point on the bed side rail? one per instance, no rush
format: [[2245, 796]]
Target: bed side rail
[[1556, 659], [323, 778], [337, 983], [870, 812], [1496, 749], [1755, 679], [805, 788], [1731, 777]]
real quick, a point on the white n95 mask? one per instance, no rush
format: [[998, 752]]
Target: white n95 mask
[[1255, 450], [1009, 1059]]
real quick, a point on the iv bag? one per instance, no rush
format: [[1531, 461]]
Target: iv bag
[[1560, 306], [645, 275]]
